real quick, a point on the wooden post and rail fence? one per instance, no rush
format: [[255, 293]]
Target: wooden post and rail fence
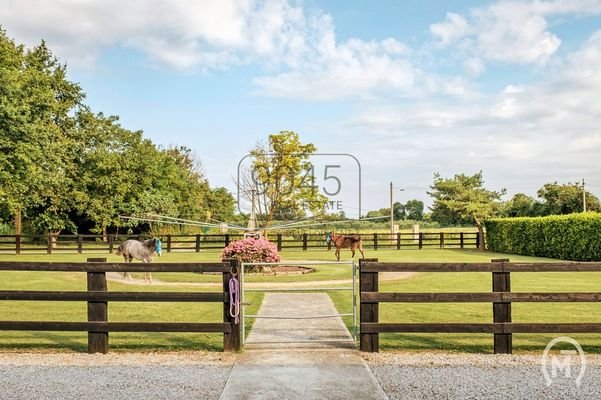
[[501, 298], [98, 298], [17, 244]]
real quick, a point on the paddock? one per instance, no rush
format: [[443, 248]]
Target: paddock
[[334, 276], [299, 366]]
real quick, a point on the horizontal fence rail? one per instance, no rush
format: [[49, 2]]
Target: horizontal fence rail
[[501, 298], [16, 244], [97, 296]]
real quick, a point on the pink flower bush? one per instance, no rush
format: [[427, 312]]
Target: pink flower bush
[[252, 250]]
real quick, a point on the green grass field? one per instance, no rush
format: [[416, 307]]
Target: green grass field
[[206, 312]]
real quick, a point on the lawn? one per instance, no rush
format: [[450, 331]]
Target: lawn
[[482, 312], [206, 312], [118, 312]]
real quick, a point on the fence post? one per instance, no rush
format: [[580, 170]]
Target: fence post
[[49, 249], [461, 240], [111, 242], [98, 342], [368, 312], [231, 341], [375, 241], [421, 240], [304, 242], [442, 240], [279, 237], [197, 243], [18, 244], [398, 240], [502, 310], [227, 240], [169, 243], [79, 243], [478, 240]]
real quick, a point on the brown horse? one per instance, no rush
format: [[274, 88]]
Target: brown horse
[[345, 241]]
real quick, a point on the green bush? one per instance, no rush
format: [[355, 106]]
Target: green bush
[[570, 237]]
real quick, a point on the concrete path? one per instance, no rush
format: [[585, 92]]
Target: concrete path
[[300, 358]]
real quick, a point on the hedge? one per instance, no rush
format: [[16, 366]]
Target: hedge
[[569, 237]]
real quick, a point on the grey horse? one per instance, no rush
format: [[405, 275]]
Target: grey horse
[[143, 251]]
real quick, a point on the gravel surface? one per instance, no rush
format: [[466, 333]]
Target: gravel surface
[[198, 375], [114, 376], [451, 376]]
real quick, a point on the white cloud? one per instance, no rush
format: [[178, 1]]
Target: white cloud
[[474, 66], [455, 27], [512, 89], [331, 70], [582, 7], [299, 48], [508, 31], [584, 66], [177, 33], [526, 133]]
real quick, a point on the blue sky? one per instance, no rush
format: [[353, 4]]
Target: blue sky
[[409, 88]]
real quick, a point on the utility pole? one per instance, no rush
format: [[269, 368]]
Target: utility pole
[[583, 197], [391, 213]]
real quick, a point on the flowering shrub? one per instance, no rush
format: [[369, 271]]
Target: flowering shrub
[[252, 250]]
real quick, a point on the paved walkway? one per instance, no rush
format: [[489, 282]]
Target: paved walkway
[[300, 358]]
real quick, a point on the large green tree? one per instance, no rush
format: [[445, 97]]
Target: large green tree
[[221, 204], [36, 127], [106, 164], [464, 198], [566, 199], [62, 164], [414, 210], [282, 178], [520, 205]]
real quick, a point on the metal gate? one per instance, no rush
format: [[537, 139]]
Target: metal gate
[[353, 289]]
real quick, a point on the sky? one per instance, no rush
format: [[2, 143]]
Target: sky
[[391, 91]]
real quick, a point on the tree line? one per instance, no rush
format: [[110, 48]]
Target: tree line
[[66, 168], [552, 199], [463, 200]]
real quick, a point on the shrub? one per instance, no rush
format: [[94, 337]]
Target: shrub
[[570, 237], [252, 250]]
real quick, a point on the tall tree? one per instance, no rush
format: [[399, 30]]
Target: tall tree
[[221, 204], [36, 103], [60, 162], [283, 177], [520, 205], [105, 163], [464, 197], [566, 199], [414, 209], [398, 211]]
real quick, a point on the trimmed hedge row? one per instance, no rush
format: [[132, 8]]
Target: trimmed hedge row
[[569, 237]]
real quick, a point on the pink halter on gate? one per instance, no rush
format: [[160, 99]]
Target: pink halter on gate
[[234, 289]]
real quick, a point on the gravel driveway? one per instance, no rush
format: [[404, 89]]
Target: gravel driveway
[[454, 376], [198, 375], [114, 376]]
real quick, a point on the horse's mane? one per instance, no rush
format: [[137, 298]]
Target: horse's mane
[[353, 237], [150, 243]]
